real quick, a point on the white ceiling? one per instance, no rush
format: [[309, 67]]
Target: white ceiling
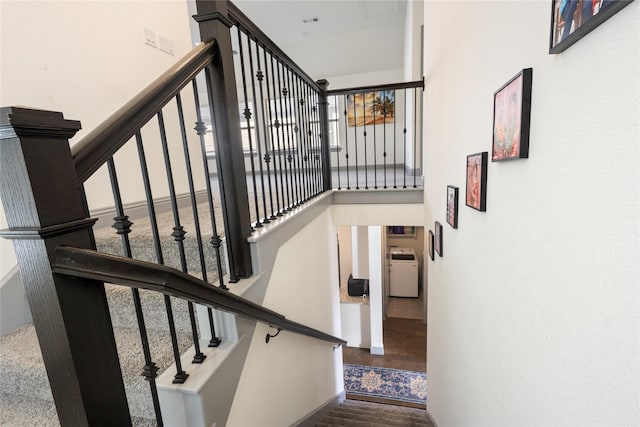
[[352, 36]]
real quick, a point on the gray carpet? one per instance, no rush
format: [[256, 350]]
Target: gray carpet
[[25, 395]]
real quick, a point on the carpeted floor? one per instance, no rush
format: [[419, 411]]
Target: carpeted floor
[[385, 383]]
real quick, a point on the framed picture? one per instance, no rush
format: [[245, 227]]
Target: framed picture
[[371, 108], [452, 206], [431, 254], [438, 238], [512, 117], [477, 181], [571, 20]]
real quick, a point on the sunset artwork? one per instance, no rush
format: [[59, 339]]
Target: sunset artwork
[[370, 108]]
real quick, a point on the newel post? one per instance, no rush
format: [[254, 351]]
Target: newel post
[[214, 23], [325, 148], [44, 207]]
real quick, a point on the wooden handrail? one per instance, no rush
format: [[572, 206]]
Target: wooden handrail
[[103, 142], [118, 270], [391, 86]]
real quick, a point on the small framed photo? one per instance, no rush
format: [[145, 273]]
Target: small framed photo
[[477, 181], [438, 238], [452, 206], [571, 20], [512, 118], [431, 253]]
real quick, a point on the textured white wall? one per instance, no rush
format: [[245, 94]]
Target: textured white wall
[[298, 372], [534, 309]]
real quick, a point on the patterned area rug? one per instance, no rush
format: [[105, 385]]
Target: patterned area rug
[[386, 383]]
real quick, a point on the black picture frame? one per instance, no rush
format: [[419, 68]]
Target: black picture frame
[[431, 243], [438, 238], [476, 183], [512, 118], [452, 206], [583, 21]]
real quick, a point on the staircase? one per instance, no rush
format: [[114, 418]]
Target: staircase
[[358, 413], [25, 395]]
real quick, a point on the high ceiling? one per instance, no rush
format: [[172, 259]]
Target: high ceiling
[[350, 36]]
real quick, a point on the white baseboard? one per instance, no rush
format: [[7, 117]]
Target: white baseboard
[[139, 209]]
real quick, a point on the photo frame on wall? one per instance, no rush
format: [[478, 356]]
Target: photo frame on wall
[[512, 118], [452, 206], [571, 20], [476, 197], [438, 238], [431, 253]]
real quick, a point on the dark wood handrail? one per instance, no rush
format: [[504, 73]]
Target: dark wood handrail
[[118, 270], [241, 20], [391, 86], [103, 142]]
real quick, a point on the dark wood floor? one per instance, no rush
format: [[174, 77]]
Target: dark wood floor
[[405, 347]]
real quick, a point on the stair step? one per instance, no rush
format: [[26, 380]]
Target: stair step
[[359, 413]]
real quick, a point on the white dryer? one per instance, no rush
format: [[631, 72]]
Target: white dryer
[[403, 275]]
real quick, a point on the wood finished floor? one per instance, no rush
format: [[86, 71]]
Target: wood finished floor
[[405, 347]]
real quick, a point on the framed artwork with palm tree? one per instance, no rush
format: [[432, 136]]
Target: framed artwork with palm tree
[[371, 108]]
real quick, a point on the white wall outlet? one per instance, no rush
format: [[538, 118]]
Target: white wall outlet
[[166, 44], [150, 38]]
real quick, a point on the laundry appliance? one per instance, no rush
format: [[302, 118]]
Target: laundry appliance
[[403, 275]]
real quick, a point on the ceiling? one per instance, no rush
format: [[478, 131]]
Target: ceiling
[[350, 36]]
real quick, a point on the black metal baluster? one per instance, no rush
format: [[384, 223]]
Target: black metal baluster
[[364, 119], [299, 129], [319, 140], [178, 234], [395, 151], [415, 133], [122, 226], [267, 158], [255, 110], [293, 151], [194, 207], [375, 148], [355, 142], [247, 117], [404, 132], [282, 91], [304, 138], [346, 137], [276, 124], [215, 241], [384, 140], [273, 144], [313, 141], [309, 145], [180, 376], [337, 128]]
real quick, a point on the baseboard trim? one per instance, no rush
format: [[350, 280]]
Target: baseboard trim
[[135, 210], [14, 308], [377, 350], [314, 417]]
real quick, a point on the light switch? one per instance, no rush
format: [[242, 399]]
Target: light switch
[[150, 38]]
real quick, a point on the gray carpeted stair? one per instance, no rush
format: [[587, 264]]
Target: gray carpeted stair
[[25, 395], [353, 413]]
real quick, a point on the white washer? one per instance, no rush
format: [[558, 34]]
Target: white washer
[[403, 275]]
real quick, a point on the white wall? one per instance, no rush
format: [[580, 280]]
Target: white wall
[[298, 372], [86, 59], [534, 309]]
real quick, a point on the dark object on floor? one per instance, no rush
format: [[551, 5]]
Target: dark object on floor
[[357, 287]]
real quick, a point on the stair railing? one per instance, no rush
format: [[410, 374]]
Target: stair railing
[[89, 264]]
